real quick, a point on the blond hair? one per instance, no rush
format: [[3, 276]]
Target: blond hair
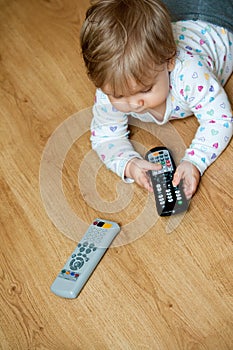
[[123, 40]]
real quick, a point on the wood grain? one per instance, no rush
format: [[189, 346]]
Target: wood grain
[[160, 291]]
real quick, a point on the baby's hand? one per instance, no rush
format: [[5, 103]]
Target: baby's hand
[[137, 169], [190, 175]]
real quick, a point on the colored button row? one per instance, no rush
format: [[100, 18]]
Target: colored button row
[[102, 224], [67, 272]]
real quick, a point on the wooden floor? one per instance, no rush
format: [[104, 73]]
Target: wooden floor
[[166, 284]]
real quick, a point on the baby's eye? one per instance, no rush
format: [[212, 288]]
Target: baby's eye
[[118, 97], [147, 90]]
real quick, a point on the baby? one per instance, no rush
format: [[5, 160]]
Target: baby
[[146, 66]]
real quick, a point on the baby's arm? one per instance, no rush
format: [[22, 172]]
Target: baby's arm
[[213, 111], [109, 137]]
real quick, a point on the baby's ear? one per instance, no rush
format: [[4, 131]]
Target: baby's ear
[[171, 64]]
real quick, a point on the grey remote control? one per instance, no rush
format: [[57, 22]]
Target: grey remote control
[[85, 258]]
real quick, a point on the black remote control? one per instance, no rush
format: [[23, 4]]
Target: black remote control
[[170, 200]]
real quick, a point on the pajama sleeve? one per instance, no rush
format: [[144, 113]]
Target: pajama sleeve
[[109, 136], [199, 90]]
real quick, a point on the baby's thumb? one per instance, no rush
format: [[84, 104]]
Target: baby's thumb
[[152, 166], [176, 179]]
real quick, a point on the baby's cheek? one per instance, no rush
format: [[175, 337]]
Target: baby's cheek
[[120, 106]]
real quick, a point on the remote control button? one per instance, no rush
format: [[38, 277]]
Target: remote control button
[[82, 249], [88, 251], [73, 256], [100, 224], [71, 264], [76, 264], [107, 226], [85, 244]]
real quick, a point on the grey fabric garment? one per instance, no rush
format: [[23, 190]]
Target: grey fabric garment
[[219, 12]]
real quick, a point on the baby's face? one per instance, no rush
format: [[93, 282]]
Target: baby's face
[[142, 99]]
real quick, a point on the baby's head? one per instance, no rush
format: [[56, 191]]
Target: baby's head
[[126, 40]]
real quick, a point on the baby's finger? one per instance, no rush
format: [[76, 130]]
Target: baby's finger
[[144, 181], [176, 179], [148, 187], [188, 191], [151, 166]]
